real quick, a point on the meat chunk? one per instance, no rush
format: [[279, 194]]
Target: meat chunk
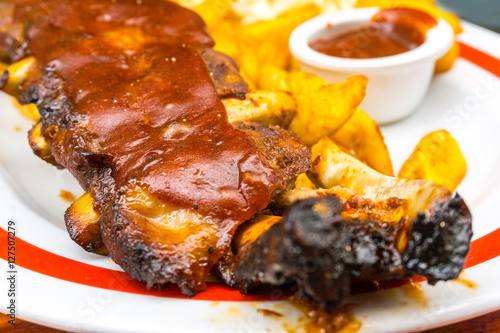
[[324, 254], [225, 73], [283, 150]]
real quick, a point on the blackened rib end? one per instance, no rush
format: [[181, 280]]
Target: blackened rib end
[[320, 252], [439, 244], [324, 255]]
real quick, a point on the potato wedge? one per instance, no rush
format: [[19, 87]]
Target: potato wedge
[[322, 110], [300, 82], [438, 159], [251, 54], [248, 61], [273, 78], [362, 139], [332, 167], [303, 181], [29, 111], [82, 222], [265, 107], [225, 35], [213, 11], [448, 60], [18, 72], [272, 54], [279, 29], [39, 144]]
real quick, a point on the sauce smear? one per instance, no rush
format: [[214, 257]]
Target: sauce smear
[[390, 32]]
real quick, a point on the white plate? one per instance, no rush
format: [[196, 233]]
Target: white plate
[[29, 194]]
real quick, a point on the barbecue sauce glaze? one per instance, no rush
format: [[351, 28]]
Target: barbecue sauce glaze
[[128, 103]]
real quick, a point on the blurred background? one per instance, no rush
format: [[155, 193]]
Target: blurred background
[[482, 12]]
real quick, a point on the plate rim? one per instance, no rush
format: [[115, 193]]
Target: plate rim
[[468, 27]]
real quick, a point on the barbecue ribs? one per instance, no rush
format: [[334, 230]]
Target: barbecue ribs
[[129, 98]]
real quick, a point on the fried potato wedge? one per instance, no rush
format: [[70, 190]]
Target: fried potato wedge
[[300, 82], [332, 167], [303, 181], [248, 61], [296, 81], [362, 138], [15, 74], [265, 107], [213, 11], [438, 159], [278, 30], [448, 60], [82, 222], [273, 78], [18, 72], [324, 109], [225, 36], [29, 111], [40, 144], [251, 54]]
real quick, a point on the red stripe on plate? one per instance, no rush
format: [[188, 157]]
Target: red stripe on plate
[[47, 263], [481, 59], [484, 249]]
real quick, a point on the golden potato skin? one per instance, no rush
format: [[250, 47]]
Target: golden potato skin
[[322, 109], [363, 139], [332, 167], [82, 222], [448, 60], [437, 158], [264, 107]]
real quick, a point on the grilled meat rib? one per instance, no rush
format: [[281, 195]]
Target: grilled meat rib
[[324, 254], [129, 99]]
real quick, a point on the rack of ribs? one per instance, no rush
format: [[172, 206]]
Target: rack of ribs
[[129, 97]]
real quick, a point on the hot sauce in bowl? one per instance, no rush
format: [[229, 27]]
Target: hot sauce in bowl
[[398, 59], [390, 32]]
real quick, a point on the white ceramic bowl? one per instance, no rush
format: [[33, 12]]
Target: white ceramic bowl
[[398, 83]]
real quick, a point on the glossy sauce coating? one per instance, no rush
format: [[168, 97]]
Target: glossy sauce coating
[[390, 32], [138, 83]]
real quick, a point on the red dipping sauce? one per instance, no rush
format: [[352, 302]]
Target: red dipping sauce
[[390, 32]]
